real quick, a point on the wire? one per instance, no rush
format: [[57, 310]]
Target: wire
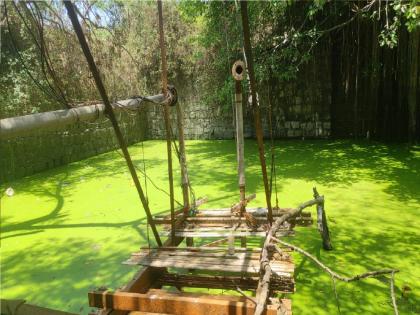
[[150, 180]]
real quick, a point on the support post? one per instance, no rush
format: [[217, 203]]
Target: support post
[[322, 222], [238, 70], [110, 112], [183, 159], [167, 118], [255, 105]]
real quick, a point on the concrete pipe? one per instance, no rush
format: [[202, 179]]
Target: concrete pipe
[[25, 125]]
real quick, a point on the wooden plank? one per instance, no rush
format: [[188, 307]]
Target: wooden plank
[[279, 284], [226, 233], [222, 264], [159, 301], [257, 211], [198, 249]]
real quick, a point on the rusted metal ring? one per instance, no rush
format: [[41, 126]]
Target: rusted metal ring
[[173, 95], [238, 70]]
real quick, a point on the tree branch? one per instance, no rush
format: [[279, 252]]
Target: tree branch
[[369, 274]]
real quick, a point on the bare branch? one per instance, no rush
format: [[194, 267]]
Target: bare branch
[[369, 274]]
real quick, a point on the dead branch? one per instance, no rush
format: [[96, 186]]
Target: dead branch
[[369, 274], [265, 269], [394, 301], [238, 289]]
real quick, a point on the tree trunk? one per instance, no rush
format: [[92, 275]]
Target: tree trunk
[[413, 54]]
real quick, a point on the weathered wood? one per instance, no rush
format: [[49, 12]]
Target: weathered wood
[[278, 284], [255, 105], [159, 301], [204, 259], [180, 211], [226, 233], [322, 223], [183, 159], [217, 242], [212, 249], [200, 220], [237, 207], [265, 268], [257, 211], [238, 71]]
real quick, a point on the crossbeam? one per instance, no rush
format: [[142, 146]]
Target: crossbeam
[[160, 301], [278, 284]]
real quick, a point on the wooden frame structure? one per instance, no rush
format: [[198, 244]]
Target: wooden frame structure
[[259, 270], [217, 263]]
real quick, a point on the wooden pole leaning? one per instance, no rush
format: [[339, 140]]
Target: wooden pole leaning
[[110, 113], [255, 106], [167, 118]]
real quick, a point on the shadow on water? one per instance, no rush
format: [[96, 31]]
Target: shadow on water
[[359, 244]]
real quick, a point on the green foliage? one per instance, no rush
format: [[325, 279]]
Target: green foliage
[[203, 40]]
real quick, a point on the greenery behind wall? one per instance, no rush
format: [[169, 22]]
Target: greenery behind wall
[[373, 50]]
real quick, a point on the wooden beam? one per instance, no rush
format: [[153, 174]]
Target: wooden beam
[[278, 284], [228, 220], [237, 207], [159, 301], [226, 233]]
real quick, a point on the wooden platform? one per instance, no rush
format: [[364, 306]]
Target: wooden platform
[[244, 260]]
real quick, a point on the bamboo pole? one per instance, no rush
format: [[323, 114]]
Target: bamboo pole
[[166, 114], [110, 112], [253, 87], [238, 71], [183, 159]]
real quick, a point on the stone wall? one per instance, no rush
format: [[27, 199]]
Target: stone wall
[[44, 150], [300, 109]]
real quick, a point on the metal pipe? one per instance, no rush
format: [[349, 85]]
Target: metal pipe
[[110, 113], [238, 70], [25, 125], [253, 86]]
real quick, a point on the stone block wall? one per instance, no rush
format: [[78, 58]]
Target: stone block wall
[[300, 108], [48, 149]]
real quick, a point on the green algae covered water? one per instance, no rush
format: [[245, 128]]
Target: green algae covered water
[[66, 231]]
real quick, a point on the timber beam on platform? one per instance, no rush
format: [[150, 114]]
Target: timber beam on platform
[[278, 284], [180, 303]]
